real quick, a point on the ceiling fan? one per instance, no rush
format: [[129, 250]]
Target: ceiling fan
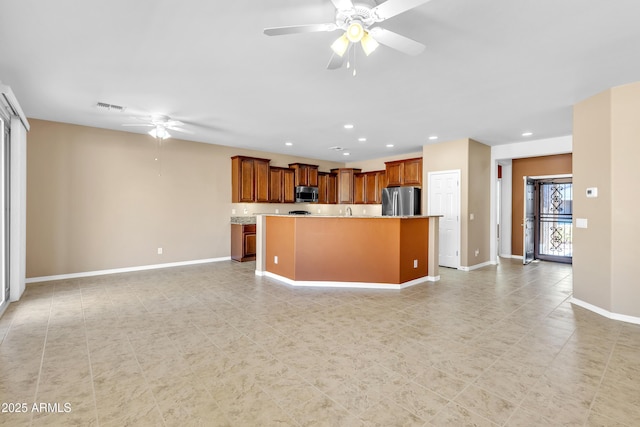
[[358, 22], [161, 125]]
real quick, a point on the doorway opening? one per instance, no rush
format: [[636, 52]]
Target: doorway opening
[[548, 219], [554, 220]]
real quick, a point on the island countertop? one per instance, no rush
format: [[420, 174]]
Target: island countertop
[[389, 252]]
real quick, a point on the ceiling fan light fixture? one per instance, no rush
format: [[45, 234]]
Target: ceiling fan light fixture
[[341, 45], [159, 132], [355, 32], [369, 44]]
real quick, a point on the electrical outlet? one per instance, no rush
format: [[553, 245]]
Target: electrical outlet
[[277, 210], [415, 263], [275, 259], [477, 252], [159, 251], [233, 211]]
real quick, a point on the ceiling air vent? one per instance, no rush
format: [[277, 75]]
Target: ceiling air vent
[[110, 107]]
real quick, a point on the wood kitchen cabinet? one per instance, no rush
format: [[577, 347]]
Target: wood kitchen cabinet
[[327, 191], [375, 182], [281, 185], [367, 187], [306, 175], [359, 187], [406, 172], [249, 179], [345, 184], [243, 242]]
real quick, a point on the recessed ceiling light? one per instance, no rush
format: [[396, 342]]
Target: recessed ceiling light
[[348, 126], [363, 139], [527, 133], [346, 154], [389, 145], [288, 143], [433, 137]]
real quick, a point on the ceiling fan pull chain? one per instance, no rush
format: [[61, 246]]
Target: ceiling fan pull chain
[[354, 62]]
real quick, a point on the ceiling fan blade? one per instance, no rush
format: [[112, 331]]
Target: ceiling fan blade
[[396, 41], [392, 8], [297, 29], [336, 61], [342, 4], [177, 129]]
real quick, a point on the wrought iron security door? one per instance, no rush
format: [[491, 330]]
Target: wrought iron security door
[[555, 219]]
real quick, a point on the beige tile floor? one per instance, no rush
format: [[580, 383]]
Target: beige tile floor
[[215, 345]]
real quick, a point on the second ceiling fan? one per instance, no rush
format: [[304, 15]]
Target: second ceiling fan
[[358, 22]]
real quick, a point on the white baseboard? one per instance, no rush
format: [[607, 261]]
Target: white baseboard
[[605, 313], [358, 285], [123, 270], [477, 266]]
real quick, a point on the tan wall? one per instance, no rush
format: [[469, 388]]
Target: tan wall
[[95, 200], [479, 203], [531, 166], [473, 159], [606, 150], [450, 155], [625, 177]]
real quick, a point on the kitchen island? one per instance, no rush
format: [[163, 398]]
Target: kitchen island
[[382, 252]]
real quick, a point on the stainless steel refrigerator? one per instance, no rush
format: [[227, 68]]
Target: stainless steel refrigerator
[[400, 201]]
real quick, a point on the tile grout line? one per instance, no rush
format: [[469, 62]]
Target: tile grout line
[[604, 372], [44, 347], [86, 339]]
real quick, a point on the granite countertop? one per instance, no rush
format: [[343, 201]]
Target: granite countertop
[[352, 216], [243, 220]]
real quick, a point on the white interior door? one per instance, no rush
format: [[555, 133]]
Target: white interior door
[[528, 222], [444, 199]]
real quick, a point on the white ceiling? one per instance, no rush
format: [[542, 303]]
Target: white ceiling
[[491, 70]]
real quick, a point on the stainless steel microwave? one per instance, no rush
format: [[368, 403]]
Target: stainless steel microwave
[[306, 194]]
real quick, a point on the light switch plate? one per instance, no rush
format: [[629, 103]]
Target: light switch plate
[[592, 192], [581, 223]]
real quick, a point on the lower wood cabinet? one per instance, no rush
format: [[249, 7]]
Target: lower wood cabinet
[[243, 242]]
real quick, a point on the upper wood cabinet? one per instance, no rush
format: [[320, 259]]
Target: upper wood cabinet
[[345, 185], [359, 187], [306, 175], [327, 193], [249, 179], [404, 172], [375, 182], [367, 187], [281, 185]]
